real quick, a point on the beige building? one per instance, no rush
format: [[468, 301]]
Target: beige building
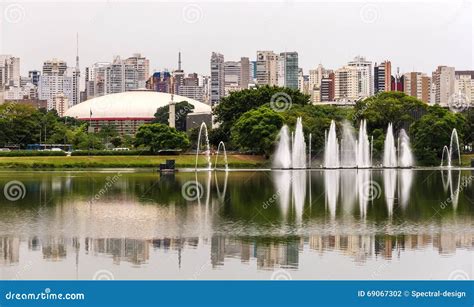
[[267, 68], [61, 103], [464, 85], [418, 85], [346, 84], [443, 82]]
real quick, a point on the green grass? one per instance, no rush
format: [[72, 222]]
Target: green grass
[[182, 161], [466, 159]]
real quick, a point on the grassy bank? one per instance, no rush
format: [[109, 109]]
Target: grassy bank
[[466, 159], [242, 161]]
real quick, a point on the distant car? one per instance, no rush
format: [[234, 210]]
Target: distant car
[[56, 149], [121, 149], [5, 149]]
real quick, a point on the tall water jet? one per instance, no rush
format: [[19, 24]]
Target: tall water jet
[[208, 148], [309, 151], [454, 137], [405, 158], [389, 153], [282, 158], [348, 146], [331, 151], [298, 153], [221, 144], [363, 147]]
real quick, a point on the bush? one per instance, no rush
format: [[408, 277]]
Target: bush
[[111, 153], [32, 153]]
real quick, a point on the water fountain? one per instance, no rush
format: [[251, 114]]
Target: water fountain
[[208, 148], [348, 147], [298, 153], [282, 157], [448, 152], [363, 154], [290, 154], [225, 155], [390, 152], [331, 150], [405, 158]]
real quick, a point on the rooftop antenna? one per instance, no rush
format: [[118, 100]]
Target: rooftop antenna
[[179, 60]]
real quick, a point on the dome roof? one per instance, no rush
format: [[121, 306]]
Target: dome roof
[[134, 104]]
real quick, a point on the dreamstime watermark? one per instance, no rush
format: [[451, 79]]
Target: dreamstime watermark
[[192, 13], [14, 13], [192, 190], [8, 109], [465, 182], [459, 275], [14, 190], [281, 102], [371, 190], [103, 275], [109, 183], [458, 102], [369, 13], [281, 275]]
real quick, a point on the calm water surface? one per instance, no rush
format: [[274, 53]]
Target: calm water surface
[[333, 224]]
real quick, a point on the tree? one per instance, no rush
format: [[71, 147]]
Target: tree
[[432, 132], [182, 109], [230, 108], [256, 130], [159, 137]]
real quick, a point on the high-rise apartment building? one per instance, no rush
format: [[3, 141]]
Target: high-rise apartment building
[[464, 85], [327, 91], [288, 70], [117, 76], [365, 83], [232, 74], [347, 83], [142, 66], [245, 73], [443, 82], [383, 77], [9, 71], [417, 84], [61, 104], [55, 81], [34, 76], [217, 78], [267, 68]]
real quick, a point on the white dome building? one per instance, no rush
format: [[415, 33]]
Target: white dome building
[[128, 110]]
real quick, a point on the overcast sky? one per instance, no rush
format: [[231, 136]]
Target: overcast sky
[[414, 35]]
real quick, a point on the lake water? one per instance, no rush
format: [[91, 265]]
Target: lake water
[[333, 224]]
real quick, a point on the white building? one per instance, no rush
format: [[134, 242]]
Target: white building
[[464, 85], [365, 80], [55, 81], [217, 87]]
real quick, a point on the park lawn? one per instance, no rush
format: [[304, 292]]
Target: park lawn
[[466, 159], [182, 161]]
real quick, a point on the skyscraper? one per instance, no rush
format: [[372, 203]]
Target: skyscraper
[[142, 66], [383, 77], [418, 85], [365, 83], [232, 74], [347, 83], [9, 71], [217, 78], [327, 88], [245, 73], [267, 68], [464, 85], [443, 82], [288, 70], [54, 81]]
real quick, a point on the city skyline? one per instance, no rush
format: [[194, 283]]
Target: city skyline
[[374, 31]]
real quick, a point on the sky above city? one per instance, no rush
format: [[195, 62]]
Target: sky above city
[[413, 35]]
